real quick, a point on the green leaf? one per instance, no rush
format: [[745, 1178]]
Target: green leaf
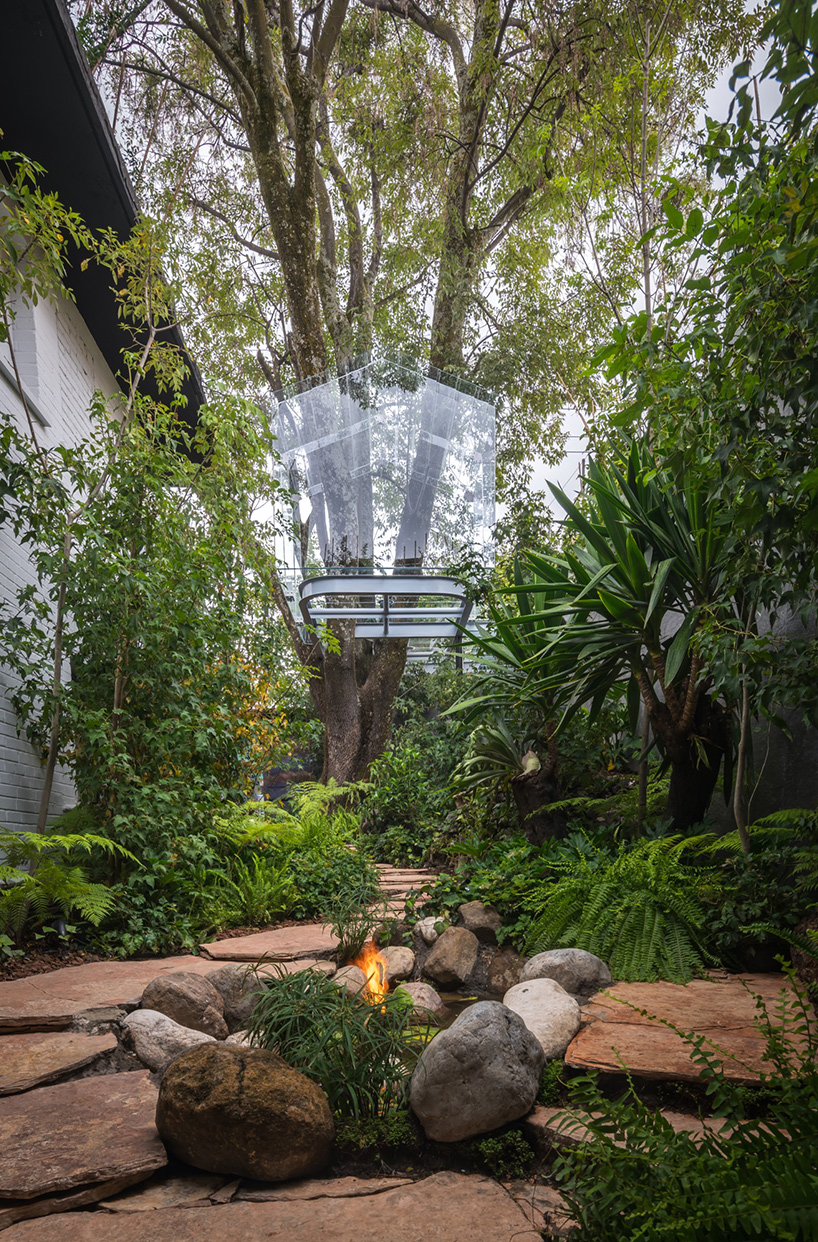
[[678, 647]]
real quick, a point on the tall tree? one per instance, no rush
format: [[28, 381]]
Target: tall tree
[[404, 158]]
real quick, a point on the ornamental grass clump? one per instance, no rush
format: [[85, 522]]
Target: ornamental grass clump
[[361, 1054]]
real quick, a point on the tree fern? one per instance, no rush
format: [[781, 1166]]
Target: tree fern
[[639, 913]]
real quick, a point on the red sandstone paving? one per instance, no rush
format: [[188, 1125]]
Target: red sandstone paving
[[50, 1002], [306, 940], [75, 1134], [33, 1060], [447, 1207], [724, 1011]]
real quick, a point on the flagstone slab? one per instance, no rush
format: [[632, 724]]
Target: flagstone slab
[[284, 944], [319, 1188], [563, 1128], [34, 1060], [52, 1001], [65, 1201], [78, 1133], [628, 1027], [447, 1207], [163, 1191]]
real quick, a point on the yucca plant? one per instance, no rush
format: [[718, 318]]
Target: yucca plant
[[40, 876], [639, 912], [622, 604]]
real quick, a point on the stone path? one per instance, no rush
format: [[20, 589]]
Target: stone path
[[630, 1025], [447, 1207]]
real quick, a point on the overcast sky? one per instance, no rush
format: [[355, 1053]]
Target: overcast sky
[[566, 474]]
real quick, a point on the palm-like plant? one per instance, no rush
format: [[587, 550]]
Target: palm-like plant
[[624, 603]]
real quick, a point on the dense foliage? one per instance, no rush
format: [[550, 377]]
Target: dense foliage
[[361, 1054]]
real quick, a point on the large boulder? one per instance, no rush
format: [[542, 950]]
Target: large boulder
[[191, 1000], [245, 1112], [481, 919], [453, 956], [481, 1073], [576, 970], [548, 1011], [427, 1005], [400, 962], [238, 987], [157, 1039]]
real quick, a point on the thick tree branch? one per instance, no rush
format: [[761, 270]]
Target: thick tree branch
[[230, 67]]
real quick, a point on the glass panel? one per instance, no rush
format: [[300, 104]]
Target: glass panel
[[390, 466]]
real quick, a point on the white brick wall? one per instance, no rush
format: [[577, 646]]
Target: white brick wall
[[63, 368]]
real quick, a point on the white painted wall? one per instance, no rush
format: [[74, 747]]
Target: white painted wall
[[61, 367]]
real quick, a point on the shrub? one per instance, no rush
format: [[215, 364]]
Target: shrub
[[505, 1156], [639, 912], [40, 874]]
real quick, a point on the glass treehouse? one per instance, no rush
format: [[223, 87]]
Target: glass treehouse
[[391, 474]]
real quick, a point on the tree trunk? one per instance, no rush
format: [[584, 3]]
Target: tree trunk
[[355, 697], [693, 775], [532, 793]]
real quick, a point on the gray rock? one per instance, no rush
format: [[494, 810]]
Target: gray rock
[[190, 1000], [483, 920], [504, 971], [239, 1039], [350, 977], [246, 1112], [479, 1074], [576, 970], [400, 962], [426, 1003], [548, 1011], [453, 956], [238, 987], [427, 929], [157, 1039]]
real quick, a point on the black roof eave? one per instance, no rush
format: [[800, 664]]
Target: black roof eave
[[51, 111]]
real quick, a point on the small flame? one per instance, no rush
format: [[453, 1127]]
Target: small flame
[[373, 964]]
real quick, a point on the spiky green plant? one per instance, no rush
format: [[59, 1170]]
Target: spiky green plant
[[362, 1055], [40, 874], [255, 893], [639, 912]]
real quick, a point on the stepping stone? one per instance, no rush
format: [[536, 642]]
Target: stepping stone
[[52, 1001], [552, 1127], [163, 1191], [282, 944], [65, 1201], [544, 1208], [34, 1060], [724, 1012], [447, 1207], [77, 1134]]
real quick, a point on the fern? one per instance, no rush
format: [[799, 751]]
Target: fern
[[38, 875], [638, 912]]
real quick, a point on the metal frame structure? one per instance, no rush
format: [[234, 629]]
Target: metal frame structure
[[387, 604]]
